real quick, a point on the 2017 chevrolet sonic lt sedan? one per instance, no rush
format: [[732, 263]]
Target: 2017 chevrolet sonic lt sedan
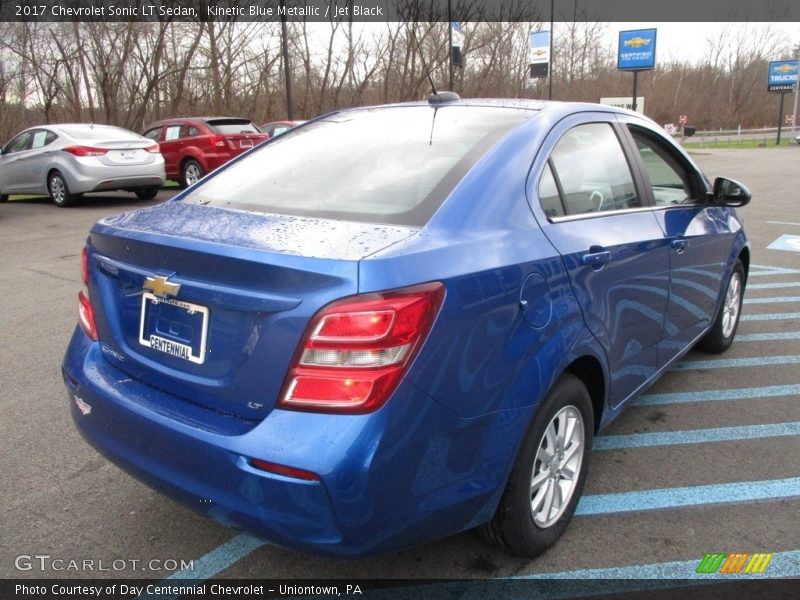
[[392, 324], [67, 161]]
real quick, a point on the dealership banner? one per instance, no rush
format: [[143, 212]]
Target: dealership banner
[[782, 75], [539, 54], [637, 50]]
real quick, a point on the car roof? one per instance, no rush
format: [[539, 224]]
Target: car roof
[[201, 119]]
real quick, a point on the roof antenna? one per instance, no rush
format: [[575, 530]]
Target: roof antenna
[[422, 57]]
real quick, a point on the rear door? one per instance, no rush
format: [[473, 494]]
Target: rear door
[[611, 244], [171, 146], [698, 234], [40, 157]]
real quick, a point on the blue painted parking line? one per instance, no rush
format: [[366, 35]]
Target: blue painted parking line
[[728, 363], [216, 561], [714, 395], [696, 436], [722, 493], [768, 337], [790, 243], [773, 300], [773, 286], [783, 564], [783, 223], [767, 270], [771, 317]]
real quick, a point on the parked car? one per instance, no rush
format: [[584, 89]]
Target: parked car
[[193, 147], [349, 346], [66, 161], [279, 127]]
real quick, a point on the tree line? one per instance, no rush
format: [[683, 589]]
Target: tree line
[[132, 73]]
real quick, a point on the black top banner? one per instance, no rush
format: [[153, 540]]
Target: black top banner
[[398, 10]]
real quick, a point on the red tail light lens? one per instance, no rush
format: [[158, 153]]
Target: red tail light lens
[[154, 149], [218, 141], [85, 310], [86, 316], [85, 150], [356, 350], [271, 467]]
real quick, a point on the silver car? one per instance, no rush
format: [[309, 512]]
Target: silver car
[[66, 161]]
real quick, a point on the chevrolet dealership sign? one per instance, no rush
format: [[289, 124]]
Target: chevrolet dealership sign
[[782, 75]]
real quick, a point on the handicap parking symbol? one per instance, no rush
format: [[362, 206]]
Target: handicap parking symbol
[[786, 242]]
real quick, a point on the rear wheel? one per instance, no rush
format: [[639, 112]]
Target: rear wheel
[[720, 336], [59, 192], [548, 475], [147, 193], [191, 173]]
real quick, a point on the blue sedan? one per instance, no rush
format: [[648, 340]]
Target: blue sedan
[[393, 324]]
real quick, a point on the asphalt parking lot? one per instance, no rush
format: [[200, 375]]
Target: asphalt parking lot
[[707, 461]]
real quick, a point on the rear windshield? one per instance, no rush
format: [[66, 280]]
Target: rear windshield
[[232, 126], [386, 165], [98, 132]]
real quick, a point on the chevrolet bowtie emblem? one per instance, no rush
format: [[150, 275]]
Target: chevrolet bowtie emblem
[[161, 287]]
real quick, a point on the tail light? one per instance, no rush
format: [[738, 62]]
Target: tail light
[[218, 141], [85, 309], [85, 150], [154, 149], [355, 351]]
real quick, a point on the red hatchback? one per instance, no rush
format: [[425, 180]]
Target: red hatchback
[[193, 146]]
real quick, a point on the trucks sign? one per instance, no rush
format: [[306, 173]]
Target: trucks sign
[[782, 75]]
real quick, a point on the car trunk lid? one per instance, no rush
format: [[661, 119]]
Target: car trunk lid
[[209, 304]]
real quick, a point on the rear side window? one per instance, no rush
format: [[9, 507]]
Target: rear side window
[[173, 132], [388, 165], [591, 173], [232, 126]]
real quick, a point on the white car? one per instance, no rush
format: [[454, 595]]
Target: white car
[[66, 161]]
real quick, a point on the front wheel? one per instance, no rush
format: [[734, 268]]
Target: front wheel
[[548, 475], [720, 336], [59, 192]]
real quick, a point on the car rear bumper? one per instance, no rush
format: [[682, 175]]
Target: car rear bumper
[[387, 480], [82, 176]]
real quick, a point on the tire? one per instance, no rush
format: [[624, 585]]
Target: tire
[[147, 193], [720, 336], [58, 190], [191, 172], [522, 524]]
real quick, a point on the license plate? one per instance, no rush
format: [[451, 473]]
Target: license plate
[[174, 327], [245, 143]]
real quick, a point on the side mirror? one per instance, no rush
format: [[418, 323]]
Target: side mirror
[[728, 192]]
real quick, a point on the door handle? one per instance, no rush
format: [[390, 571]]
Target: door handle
[[680, 244], [596, 257]]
